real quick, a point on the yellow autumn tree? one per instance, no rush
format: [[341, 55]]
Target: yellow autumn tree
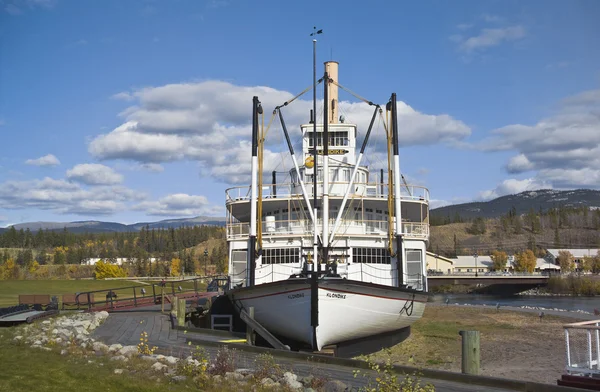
[[525, 261], [9, 270], [104, 270], [499, 260], [175, 267], [566, 261]]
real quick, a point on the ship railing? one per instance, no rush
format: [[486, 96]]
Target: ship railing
[[583, 348], [361, 189], [384, 274], [346, 227]]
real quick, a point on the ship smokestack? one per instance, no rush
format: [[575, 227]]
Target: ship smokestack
[[331, 68]]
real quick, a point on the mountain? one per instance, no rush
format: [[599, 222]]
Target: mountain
[[106, 227], [523, 202]]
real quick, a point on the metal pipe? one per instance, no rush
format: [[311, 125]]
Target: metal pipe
[[274, 182], [398, 206], [325, 218], [338, 218]]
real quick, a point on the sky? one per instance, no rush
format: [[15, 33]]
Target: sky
[[133, 111]]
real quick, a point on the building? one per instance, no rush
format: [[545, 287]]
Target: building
[[472, 264], [439, 263], [545, 267], [578, 255]]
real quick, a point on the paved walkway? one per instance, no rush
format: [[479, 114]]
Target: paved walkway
[[126, 327]]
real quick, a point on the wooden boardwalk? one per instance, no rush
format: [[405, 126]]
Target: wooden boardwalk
[[126, 327]]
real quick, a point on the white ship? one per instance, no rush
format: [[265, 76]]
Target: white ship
[[357, 276]]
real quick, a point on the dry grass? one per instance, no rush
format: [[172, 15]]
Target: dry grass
[[513, 344]]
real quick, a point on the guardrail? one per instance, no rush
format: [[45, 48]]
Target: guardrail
[[366, 189], [583, 348], [350, 227]]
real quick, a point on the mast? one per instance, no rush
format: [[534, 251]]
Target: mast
[[251, 263], [326, 168], [315, 225], [398, 205]]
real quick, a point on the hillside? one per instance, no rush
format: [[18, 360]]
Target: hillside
[[111, 227], [522, 202]]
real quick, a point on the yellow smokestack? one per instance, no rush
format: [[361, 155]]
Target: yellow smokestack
[[331, 67]]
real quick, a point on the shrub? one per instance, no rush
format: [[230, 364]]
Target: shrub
[[106, 270], [224, 361], [143, 346]]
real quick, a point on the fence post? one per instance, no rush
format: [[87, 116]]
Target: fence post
[[470, 352], [249, 331], [174, 304], [181, 308], [134, 298], [162, 299]]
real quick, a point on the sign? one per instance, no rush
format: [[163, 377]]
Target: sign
[[331, 151]]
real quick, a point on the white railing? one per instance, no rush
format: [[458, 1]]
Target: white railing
[[367, 190], [583, 348], [347, 227]]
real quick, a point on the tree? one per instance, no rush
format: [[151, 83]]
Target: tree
[[499, 260], [592, 263], [477, 227], [525, 261], [175, 267], [566, 261]]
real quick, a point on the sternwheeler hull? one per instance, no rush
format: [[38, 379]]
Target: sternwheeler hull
[[347, 310]]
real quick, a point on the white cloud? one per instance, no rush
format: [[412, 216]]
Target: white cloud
[[65, 197], [464, 26], [519, 164], [179, 204], [512, 186], [490, 37], [564, 148], [46, 160], [94, 174], [209, 122]]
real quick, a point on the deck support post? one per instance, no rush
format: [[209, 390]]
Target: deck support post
[[249, 330], [181, 308], [470, 352]]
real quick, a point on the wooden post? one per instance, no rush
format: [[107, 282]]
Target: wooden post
[[249, 331], [174, 306], [181, 308], [470, 352], [162, 299]]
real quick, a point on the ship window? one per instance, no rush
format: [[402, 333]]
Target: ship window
[[347, 175], [281, 256], [371, 255], [337, 139]]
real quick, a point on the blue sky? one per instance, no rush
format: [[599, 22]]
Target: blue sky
[[140, 110]]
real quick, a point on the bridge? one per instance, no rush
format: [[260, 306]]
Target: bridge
[[497, 284]]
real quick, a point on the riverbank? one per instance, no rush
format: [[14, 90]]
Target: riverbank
[[514, 344]]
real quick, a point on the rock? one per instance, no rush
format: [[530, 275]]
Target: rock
[[290, 379], [267, 382], [129, 351], [63, 352], [170, 360], [148, 358], [158, 366], [99, 346], [334, 386], [179, 378], [118, 371], [113, 348], [55, 331], [217, 379], [234, 376], [309, 390], [18, 338], [119, 358], [37, 343], [46, 322]]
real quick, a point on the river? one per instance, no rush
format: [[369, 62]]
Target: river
[[586, 304]]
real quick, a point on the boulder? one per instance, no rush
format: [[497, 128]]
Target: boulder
[[158, 366], [335, 386]]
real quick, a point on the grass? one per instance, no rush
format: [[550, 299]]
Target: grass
[[26, 369], [435, 341]]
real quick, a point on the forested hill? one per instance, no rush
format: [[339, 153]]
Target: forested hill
[[521, 203], [111, 227]]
